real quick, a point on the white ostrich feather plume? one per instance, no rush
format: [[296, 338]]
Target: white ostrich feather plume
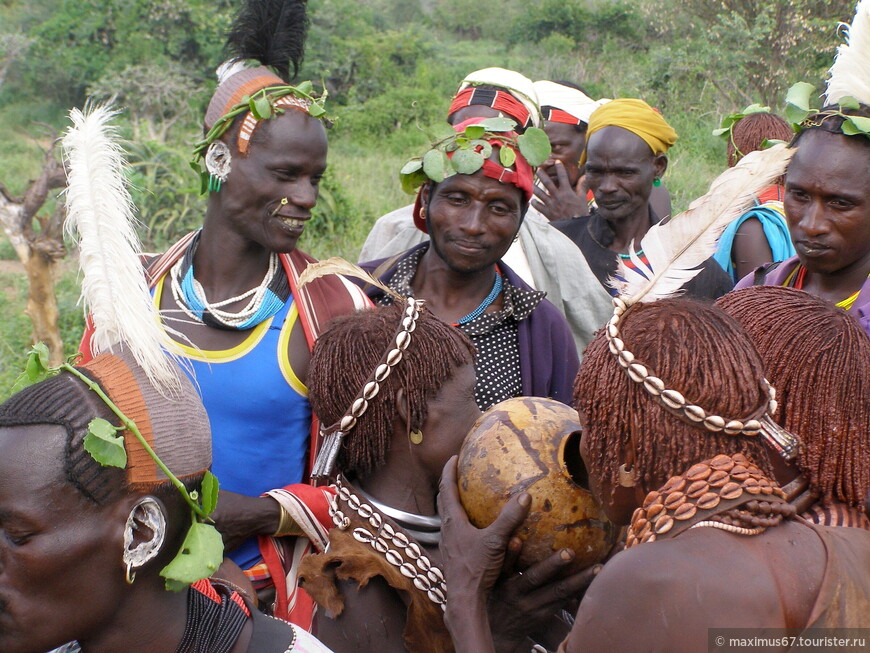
[[676, 248], [850, 74], [100, 218]]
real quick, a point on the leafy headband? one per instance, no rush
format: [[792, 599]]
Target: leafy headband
[[802, 116], [466, 151], [263, 105]]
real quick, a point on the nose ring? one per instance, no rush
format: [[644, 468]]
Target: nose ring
[[284, 201]]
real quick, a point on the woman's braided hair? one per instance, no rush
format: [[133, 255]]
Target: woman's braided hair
[[818, 359], [345, 356], [748, 134], [695, 349]]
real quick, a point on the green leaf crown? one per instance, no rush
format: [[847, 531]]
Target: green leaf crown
[[201, 552], [802, 116], [262, 105], [470, 148]]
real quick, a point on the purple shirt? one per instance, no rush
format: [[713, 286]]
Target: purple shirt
[[777, 276]]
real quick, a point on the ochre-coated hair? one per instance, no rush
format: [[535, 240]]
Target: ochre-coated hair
[[818, 359], [346, 355], [694, 349], [750, 132]]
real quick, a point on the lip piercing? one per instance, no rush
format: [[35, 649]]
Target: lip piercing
[[284, 201]]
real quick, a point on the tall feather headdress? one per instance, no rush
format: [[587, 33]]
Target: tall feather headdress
[[675, 251], [850, 74], [100, 218], [271, 32]]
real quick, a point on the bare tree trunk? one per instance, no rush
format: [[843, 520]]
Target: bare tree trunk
[[42, 304], [40, 251]]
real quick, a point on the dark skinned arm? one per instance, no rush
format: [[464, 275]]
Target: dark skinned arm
[[750, 248], [239, 517]]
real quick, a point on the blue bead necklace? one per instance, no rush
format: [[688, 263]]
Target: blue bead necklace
[[487, 301]]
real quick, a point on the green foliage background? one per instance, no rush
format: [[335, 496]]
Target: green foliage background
[[391, 67]]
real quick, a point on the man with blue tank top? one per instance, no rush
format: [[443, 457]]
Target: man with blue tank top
[[228, 296]]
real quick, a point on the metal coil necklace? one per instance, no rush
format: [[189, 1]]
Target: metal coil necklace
[[425, 529]]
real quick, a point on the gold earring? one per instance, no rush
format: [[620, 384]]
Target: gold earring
[[416, 436], [626, 476], [130, 575]]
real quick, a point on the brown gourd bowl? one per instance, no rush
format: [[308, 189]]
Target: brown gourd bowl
[[530, 444]]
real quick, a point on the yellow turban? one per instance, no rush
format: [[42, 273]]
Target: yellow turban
[[637, 117]]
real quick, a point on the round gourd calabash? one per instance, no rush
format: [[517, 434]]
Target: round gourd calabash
[[530, 444]]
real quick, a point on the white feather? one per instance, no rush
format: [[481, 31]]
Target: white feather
[[229, 68], [100, 217], [338, 266], [676, 248], [850, 74]]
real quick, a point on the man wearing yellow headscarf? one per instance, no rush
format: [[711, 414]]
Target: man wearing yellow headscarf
[[625, 157]]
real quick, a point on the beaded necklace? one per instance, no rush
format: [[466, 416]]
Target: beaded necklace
[[266, 299], [486, 303], [796, 279], [626, 258], [726, 492], [216, 616]]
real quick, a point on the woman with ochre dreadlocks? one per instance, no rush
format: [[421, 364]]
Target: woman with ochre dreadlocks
[[675, 410], [818, 359], [395, 421], [228, 293], [401, 417]]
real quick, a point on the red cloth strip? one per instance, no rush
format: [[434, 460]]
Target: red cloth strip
[[500, 101], [557, 115]]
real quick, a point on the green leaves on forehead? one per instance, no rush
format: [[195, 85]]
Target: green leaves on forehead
[[470, 148], [534, 146]]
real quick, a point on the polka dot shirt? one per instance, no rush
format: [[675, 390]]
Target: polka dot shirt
[[494, 334]]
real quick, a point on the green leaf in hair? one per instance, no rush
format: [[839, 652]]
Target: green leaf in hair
[[210, 488], [467, 162], [507, 156], [104, 444], [497, 124], [435, 164], [474, 131], [200, 555]]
